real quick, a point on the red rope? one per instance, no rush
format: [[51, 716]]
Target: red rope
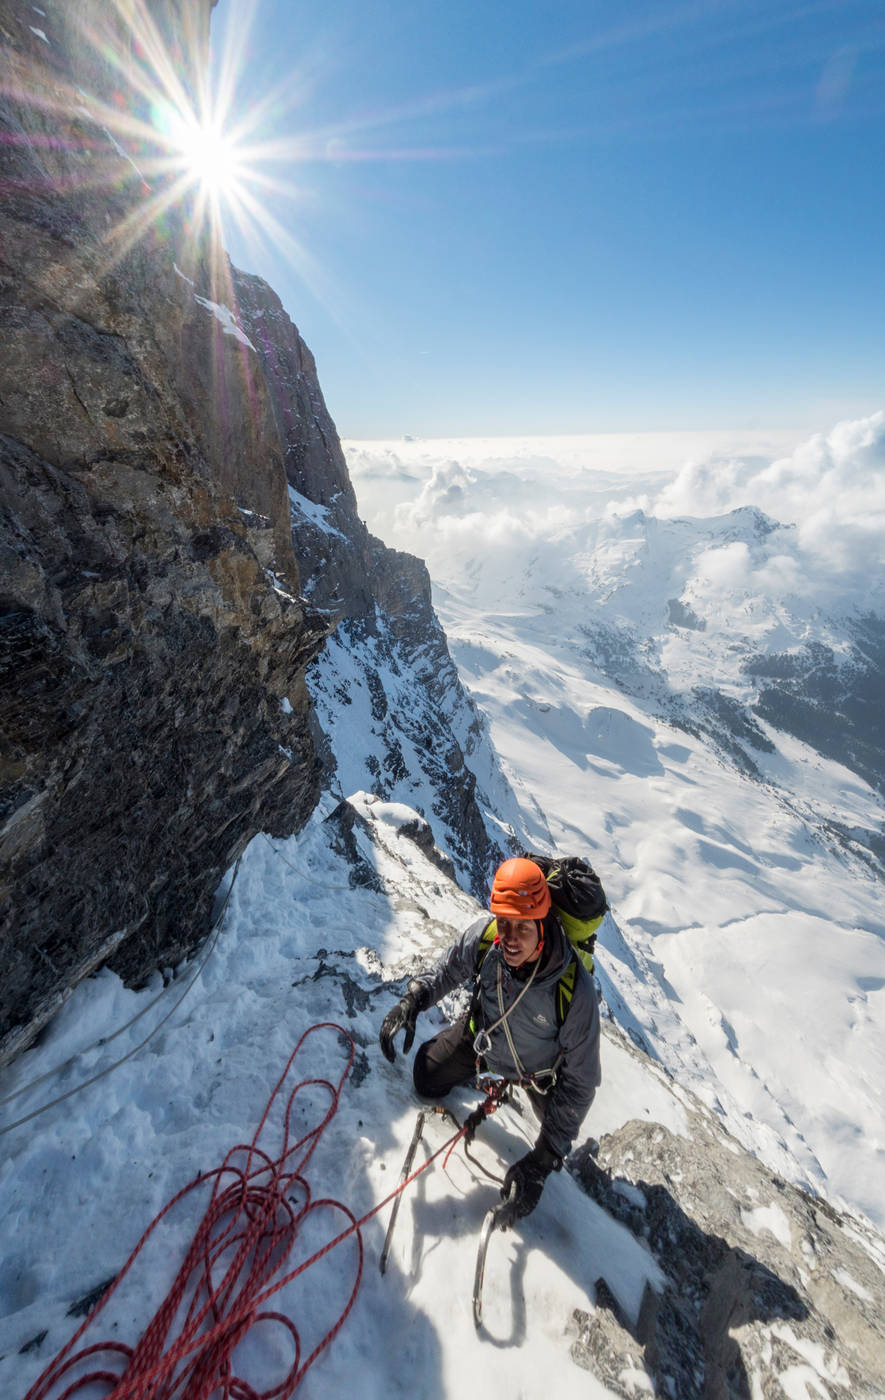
[[229, 1272], [495, 1091]]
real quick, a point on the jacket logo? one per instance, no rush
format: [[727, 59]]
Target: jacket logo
[[540, 1019]]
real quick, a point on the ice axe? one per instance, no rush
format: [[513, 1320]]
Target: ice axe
[[498, 1218]]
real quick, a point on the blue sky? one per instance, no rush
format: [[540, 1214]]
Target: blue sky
[[570, 218]]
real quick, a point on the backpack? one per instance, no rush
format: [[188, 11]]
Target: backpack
[[579, 900]]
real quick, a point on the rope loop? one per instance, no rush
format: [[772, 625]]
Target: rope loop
[[235, 1264]]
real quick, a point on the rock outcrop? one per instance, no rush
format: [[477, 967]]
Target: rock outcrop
[[394, 716], [767, 1288], [154, 643]]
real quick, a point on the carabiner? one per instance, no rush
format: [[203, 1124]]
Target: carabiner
[[482, 1044]]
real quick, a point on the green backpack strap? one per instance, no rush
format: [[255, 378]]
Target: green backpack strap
[[487, 938], [565, 990]]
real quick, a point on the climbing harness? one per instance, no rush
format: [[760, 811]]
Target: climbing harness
[[541, 1080]]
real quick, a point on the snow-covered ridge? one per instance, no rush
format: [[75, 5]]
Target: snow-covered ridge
[[591, 1291]]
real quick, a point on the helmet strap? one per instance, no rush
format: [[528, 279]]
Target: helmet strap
[[540, 948]]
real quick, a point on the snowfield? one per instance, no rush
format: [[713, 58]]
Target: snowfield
[[299, 945], [605, 639]]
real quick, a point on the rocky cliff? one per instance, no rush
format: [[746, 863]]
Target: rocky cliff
[[394, 717], [766, 1287], [166, 457], [154, 643]]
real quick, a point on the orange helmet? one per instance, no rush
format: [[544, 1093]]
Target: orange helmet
[[519, 890]]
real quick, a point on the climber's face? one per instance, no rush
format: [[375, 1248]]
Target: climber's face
[[519, 940]]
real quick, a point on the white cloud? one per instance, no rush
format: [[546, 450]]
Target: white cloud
[[832, 488], [842, 472], [462, 513], [447, 492], [497, 507], [726, 567]]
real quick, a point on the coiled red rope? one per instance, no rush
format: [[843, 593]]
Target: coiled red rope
[[230, 1271]]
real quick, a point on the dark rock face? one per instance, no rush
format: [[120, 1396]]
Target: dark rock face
[[152, 640], [761, 1279], [386, 686], [836, 704], [334, 546]]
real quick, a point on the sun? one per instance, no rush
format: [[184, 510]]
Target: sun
[[190, 146], [209, 157]]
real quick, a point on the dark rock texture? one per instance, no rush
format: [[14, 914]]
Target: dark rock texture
[[389, 648], [152, 639], [337, 556], [764, 1284]]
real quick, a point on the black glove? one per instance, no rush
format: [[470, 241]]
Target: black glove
[[471, 1123], [403, 1016], [527, 1176]]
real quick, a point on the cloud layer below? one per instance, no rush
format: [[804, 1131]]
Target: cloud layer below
[[490, 507]]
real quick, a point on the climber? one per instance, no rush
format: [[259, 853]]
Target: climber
[[518, 1026]]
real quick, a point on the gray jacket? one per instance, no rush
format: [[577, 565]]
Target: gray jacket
[[540, 1043]]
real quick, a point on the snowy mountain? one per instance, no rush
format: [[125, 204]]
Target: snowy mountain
[[631, 662], [664, 1261], [672, 666]]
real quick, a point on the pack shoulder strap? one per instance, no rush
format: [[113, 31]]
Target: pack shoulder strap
[[565, 990], [487, 938]]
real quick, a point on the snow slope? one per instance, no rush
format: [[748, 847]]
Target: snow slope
[[619, 1281], [610, 641], [300, 944], [745, 952]]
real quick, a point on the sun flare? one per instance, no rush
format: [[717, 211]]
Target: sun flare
[[174, 143], [209, 156]]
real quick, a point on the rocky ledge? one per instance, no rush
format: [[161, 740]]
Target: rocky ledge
[[769, 1292]]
